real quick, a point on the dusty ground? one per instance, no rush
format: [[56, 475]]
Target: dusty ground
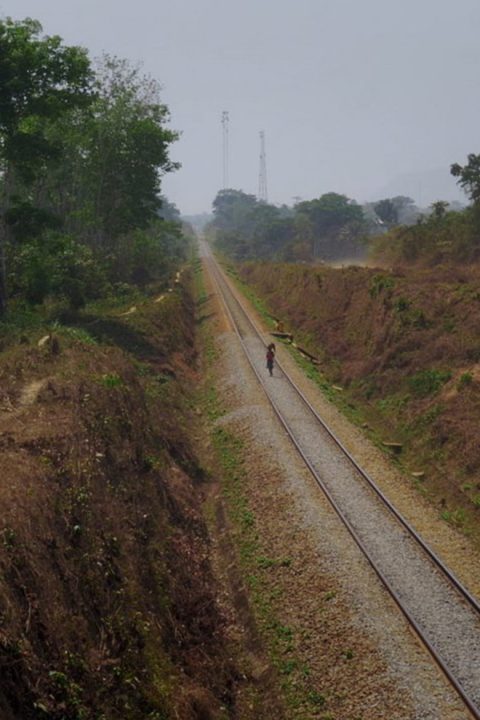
[[348, 653]]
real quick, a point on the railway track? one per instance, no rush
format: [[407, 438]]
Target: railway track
[[442, 612]]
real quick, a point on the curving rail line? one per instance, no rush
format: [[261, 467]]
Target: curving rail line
[[230, 298]]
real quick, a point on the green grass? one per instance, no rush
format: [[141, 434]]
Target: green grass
[[465, 380], [112, 380], [455, 517], [73, 333], [428, 382]]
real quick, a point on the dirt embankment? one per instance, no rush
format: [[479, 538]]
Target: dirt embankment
[[406, 348], [107, 601]]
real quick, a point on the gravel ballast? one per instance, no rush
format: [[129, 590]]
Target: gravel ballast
[[366, 614]]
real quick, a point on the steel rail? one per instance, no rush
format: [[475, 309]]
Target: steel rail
[[464, 593]]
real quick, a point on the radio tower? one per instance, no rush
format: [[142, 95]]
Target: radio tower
[[225, 123], [262, 176]]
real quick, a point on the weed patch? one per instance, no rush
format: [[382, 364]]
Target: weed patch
[[465, 380], [111, 380], [379, 284], [428, 382], [454, 517]]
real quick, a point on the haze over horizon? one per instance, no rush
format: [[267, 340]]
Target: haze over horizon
[[368, 100]]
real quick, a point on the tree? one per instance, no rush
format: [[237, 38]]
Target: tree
[[336, 221], [439, 209], [123, 153], [387, 211], [469, 176], [407, 212], [169, 211], [232, 209], [41, 80]]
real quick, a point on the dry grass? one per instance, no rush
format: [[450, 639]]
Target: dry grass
[[405, 345], [107, 601]]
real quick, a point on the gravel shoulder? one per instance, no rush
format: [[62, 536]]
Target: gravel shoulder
[[359, 657]]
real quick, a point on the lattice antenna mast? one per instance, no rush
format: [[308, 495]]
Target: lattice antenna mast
[[225, 124], [262, 176]]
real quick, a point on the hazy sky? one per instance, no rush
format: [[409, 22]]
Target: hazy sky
[[364, 97]]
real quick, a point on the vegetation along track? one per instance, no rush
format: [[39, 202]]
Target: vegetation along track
[[444, 615]]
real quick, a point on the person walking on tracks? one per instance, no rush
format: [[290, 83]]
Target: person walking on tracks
[[270, 358]]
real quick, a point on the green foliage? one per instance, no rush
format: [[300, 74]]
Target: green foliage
[[81, 159], [465, 380], [335, 221], [147, 255], [317, 699], [328, 227], [41, 79], [379, 284], [444, 237], [73, 333], [401, 305], [111, 381], [428, 382], [120, 150], [56, 265], [439, 209], [469, 176], [454, 517], [386, 211]]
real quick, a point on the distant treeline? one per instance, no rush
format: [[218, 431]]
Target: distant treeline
[[445, 235], [336, 228], [330, 227], [82, 152]]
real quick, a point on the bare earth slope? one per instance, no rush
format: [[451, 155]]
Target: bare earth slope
[[107, 599]]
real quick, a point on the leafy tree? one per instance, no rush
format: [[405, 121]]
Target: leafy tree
[[439, 209], [118, 153], [41, 80], [443, 237], [327, 227], [469, 180], [337, 222], [407, 211], [55, 264], [387, 211], [169, 211], [232, 209], [82, 154], [469, 176]]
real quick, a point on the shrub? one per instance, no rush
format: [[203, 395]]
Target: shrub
[[379, 284], [428, 382], [56, 265], [464, 380]]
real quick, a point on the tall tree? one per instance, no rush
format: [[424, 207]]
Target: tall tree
[[387, 211], [42, 79], [335, 221], [469, 176]]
